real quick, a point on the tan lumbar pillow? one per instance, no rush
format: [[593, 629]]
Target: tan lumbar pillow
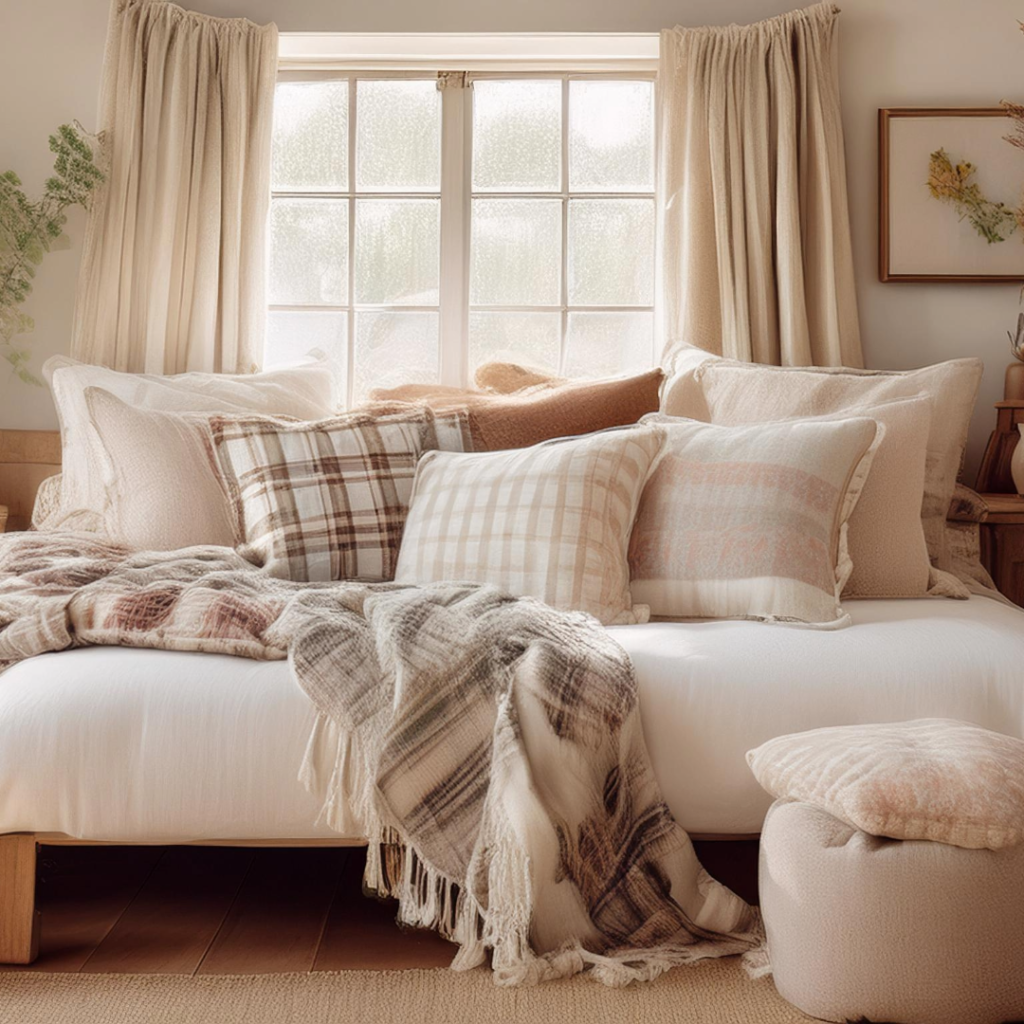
[[751, 522], [933, 779], [498, 422]]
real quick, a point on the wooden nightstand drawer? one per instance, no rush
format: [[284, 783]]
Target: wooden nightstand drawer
[[1002, 544]]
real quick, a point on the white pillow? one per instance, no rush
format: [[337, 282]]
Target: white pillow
[[303, 392], [164, 490], [732, 393], [550, 522], [751, 522]]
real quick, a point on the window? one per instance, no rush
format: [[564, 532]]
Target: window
[[423, 224]]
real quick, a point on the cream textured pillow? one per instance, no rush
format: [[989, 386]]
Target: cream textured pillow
[[163, 487], [326, 500], [933, 779], [303, 392], [750, 522], [886, 536], [738, 393], [550, 522]]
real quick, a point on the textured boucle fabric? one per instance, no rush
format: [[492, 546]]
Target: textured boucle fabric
[[862, 928], [933, 779], [491, 746], [159, 464], [541, 412], [751, 522]]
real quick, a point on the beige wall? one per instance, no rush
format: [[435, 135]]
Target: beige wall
[[894, 53]]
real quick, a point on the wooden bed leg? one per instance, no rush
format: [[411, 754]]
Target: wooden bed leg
[[19, 920]]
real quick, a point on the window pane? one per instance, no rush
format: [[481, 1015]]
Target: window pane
[[531, 339], [309, 252], [611, 136], [393, 349], [607, 344], [611, 252], [516, 257], [310, 151], [397, 251], [398, 136], [292, 336], [517, 136]]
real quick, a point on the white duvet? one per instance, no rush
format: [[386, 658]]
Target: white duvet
[[142, 745]]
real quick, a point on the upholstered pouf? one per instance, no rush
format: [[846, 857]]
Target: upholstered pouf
[[904, 931]]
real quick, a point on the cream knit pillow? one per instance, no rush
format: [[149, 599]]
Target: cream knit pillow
[[737, 393], [933, 778], [751, 522], [163, 489], [303, 392], [550, 522]]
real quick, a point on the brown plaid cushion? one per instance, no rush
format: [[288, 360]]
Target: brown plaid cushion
[[325, 500]]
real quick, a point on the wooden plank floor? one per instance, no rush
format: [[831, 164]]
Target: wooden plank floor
[[222, 910]]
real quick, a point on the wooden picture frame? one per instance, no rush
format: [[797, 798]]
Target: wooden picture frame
[[948, 234]]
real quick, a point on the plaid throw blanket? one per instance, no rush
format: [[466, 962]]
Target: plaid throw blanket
[[490, 747]]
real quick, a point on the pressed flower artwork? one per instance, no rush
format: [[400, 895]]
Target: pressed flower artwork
[[949, 190]]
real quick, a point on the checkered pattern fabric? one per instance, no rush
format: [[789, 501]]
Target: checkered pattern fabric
[[550, 522], [324, 500]]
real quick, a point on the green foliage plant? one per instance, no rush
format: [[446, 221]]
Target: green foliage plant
[[29, 230]]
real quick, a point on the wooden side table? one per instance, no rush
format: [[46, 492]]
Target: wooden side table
[[994, 473], [3, 518], [1002, 544]]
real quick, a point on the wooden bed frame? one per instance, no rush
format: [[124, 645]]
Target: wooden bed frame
[[19, 851]]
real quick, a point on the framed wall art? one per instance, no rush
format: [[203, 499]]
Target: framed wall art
[[951, 195]]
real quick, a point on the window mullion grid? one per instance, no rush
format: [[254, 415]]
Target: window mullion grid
[[350, 348], [562, 351], [453, 297]]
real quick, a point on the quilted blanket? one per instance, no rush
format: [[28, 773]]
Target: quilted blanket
[[490, 746]]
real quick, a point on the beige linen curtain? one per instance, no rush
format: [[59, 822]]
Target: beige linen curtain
[[755, 232], [172, 275]]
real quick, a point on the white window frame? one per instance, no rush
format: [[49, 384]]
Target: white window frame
[[427, 55]]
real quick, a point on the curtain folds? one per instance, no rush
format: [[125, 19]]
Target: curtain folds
[[172, 274], [756, 255]]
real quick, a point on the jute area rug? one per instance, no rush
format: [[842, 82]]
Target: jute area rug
[[715, 992]]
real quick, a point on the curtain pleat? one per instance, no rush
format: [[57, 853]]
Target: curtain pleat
[[757, 260], [172, 274]]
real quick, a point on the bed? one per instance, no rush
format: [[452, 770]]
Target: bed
[[125, 745]]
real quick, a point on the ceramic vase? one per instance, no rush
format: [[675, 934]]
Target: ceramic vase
[[1017, 462]]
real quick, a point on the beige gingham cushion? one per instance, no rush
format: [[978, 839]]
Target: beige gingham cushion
[[324, 500], [550, 522]]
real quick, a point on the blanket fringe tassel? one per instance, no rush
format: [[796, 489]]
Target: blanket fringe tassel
[[334, 770]]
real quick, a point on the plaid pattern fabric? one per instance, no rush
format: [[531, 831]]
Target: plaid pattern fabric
[[325, 500], [491, 749], [550, 522]]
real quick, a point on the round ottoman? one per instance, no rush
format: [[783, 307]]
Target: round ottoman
[[907, 932]]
